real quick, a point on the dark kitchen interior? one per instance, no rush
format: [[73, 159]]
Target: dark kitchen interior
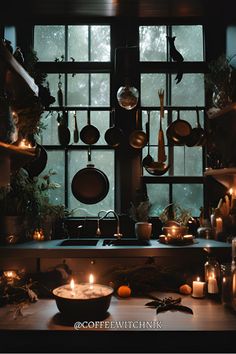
[[117, 176]]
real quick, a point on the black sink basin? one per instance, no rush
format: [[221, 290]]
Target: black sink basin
[[78, 242], [126, 242]]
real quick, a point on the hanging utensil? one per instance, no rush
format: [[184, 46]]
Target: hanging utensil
[[76, 130], [147, 160], [60, 93], [90, 185], [138, 138], [161, 141], [178, 131], [113, 135], [63, 130], [89, 134], [197, 134]]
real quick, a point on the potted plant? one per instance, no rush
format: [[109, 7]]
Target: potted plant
[[26, 207], [140, 214]]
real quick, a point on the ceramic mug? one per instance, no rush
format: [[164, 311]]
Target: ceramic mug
[[143, 230]]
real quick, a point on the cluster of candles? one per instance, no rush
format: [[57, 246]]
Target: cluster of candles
[[38, 235], [200, 288], [82, 291]]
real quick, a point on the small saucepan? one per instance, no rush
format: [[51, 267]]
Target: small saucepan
[[114, 135], [90, 185], [178, 131], [138, 138], [89, 134]]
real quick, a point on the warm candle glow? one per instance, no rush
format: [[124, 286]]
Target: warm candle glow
[[231, 191], [198, 278], [72, 284], [10, 275], [24, 144], [91, 279], [224, 279]]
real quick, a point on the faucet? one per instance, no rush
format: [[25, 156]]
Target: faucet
[[118, 234]]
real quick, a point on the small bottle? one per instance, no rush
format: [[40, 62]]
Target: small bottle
[[226, 284], [212, 277]]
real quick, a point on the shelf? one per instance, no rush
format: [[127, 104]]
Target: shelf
[[231, 108], [225, 176]]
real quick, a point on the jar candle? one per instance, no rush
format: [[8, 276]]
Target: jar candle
[[226, 284], [212, 286], [199, 288], [82, 291]]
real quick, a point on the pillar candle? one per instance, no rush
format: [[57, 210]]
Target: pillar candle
[[219, 225], [212, 284], [198, 288]]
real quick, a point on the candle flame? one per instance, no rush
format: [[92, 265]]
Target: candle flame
[[72, 284], [91, 279], [25, 144], [224, 280], [231, 191], [198, 278]]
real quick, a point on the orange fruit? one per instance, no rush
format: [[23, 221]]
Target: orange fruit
[[185, 289], [124, 291]]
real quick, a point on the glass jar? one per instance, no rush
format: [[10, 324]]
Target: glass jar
[[212, 275], [226, 284]]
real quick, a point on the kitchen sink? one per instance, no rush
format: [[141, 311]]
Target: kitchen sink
[[78, 242], [126, 242]]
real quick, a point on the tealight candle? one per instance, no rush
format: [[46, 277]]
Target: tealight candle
[[212, 287], [26, 145], [10, 276], [198, 288]]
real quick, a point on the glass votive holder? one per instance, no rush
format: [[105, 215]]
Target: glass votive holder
[[226, 284]]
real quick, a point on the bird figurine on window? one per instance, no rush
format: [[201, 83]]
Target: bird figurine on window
[[176, 56]]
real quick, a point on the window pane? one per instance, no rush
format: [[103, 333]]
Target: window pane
[[103, 160], [189, 196], [150, 84], [189, 92], [188, 161], [159, 197], [78, 43], [49, 135], [78, 90], [100, 43], [56, 162], [49, 42], [53, 80], [152, 41], [100, 89], [189, 42]]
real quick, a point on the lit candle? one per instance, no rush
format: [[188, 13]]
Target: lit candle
[[212, 284], [198, 288], [219, 225], [24, 144], [91, 281], [38, 235], [72, 286], [10, 276]]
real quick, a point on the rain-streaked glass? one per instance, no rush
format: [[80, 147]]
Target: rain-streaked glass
[[100, 43], [189, 196], [49, 42], [78, 43], [100, 89], [56, 162], [104, 161], [189, 41], [159, 198], [150, 84], [78, 90], [155, 125], [189, 92], [49, 135], [152, 43], [188, 161]]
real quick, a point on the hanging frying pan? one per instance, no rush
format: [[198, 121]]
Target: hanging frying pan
[[138, 138], [89, 134], [178, 131], [113, 135], [90, 185]]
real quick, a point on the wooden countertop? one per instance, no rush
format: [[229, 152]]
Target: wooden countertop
[[208, 315], [41, 329]]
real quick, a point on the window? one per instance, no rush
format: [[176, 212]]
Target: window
[[183, 183], [87, 86]]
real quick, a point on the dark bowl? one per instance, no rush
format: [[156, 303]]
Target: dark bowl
[[84, 309]]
